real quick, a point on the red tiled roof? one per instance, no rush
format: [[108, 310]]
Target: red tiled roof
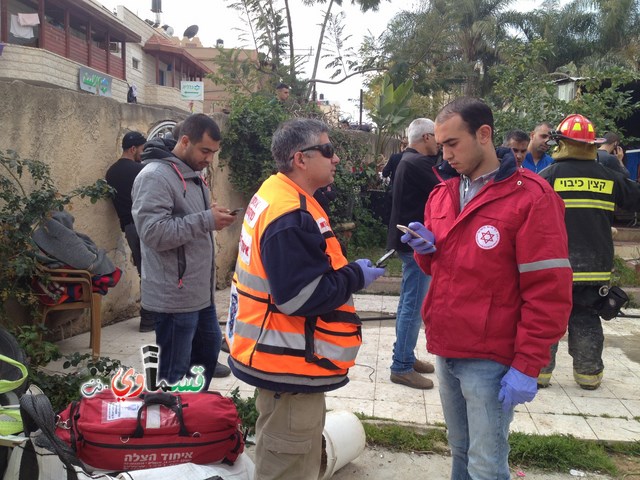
[[157, 39], [161, 44]]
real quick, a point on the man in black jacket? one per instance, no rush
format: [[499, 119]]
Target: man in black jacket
[[121, 176], [390, 168], [414, 180]]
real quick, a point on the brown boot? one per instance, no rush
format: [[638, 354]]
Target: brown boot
[[412, 379], [423, 367]]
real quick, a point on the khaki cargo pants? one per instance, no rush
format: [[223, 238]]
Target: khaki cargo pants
[[289, 435]]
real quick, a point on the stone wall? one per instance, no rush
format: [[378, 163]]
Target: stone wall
[[79, 135]]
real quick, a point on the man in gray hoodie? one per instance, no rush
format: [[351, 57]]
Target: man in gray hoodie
[[174, 219]]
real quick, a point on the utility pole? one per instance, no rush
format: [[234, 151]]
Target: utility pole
[[361, 99]]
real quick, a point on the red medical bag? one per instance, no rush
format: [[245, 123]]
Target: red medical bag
[[153, 430]]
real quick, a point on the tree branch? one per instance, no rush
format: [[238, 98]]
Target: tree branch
[[346, 77]]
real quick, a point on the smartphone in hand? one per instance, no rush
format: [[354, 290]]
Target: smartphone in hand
[[381, 261], [405, 229], [236, 211]]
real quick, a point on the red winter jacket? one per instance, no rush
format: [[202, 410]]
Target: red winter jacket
[[501, 287]]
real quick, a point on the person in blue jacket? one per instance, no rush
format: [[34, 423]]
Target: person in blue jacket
[[537, 159]]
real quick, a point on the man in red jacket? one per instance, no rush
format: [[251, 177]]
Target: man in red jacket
[[495, 243]]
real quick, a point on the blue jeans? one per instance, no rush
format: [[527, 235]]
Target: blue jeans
[[477, 426], [187, 339], [408, 318]]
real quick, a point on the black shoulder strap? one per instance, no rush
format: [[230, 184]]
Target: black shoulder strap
[[37, 413]]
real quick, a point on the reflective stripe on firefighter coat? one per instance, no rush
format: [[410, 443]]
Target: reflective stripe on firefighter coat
[[590, 192]]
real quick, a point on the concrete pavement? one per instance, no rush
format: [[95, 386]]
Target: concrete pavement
[[610, 413]]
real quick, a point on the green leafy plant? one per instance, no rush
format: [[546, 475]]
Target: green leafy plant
[[355, 174], [246, 145], [32, 340], [622, 274], [524, 94], [246, 410], [246, 150], [352, 174], [63, 388], [392, 111], [27, 196], [60, 388]]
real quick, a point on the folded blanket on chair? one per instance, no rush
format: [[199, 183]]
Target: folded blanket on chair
[[61, 246]]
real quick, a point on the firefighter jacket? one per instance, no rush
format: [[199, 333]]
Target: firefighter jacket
[[292, 324], [590, 192], [501, 287]]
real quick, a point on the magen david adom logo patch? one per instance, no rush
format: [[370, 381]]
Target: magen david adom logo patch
[[487, 237]]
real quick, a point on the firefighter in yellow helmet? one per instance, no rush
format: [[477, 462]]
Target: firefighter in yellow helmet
[[590, 192]]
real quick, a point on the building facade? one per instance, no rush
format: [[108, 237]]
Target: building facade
[[81, 45]]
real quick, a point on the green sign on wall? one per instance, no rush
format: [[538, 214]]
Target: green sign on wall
[[192, 90], [95, 82]]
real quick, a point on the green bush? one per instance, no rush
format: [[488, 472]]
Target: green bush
[[354, 175], [246, 145], [246, 150]]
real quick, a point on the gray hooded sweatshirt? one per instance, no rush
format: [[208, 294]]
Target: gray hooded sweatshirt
[[172, 214]]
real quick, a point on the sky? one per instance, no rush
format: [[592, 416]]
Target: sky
[[216, 21]]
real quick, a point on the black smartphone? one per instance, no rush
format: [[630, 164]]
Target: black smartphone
[[381, 261], [236, 211]]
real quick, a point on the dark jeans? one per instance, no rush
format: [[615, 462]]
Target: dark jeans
[[185, 340], [415, 285], [131, 234]]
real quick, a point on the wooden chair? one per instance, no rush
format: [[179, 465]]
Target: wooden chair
[[89, 299]]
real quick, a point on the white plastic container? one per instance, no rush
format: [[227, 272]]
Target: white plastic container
[[345, 440]]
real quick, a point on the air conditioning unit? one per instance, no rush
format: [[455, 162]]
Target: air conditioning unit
[[114, 47]]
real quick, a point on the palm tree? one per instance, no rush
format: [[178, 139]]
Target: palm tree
[[570, 31], [476, 29]]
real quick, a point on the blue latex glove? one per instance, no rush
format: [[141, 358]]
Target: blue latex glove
[[517, 388], [423, 245], [369, 272]]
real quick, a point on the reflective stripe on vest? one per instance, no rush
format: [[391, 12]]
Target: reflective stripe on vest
[[257, 284], [294, 341], [265, 340]]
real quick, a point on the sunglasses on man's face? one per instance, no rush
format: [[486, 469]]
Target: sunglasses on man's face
[[326, 149]]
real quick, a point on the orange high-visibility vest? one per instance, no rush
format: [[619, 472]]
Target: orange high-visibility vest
[[263, 341]]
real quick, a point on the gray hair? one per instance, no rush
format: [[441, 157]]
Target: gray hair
[[291, 137], [418, 128]]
